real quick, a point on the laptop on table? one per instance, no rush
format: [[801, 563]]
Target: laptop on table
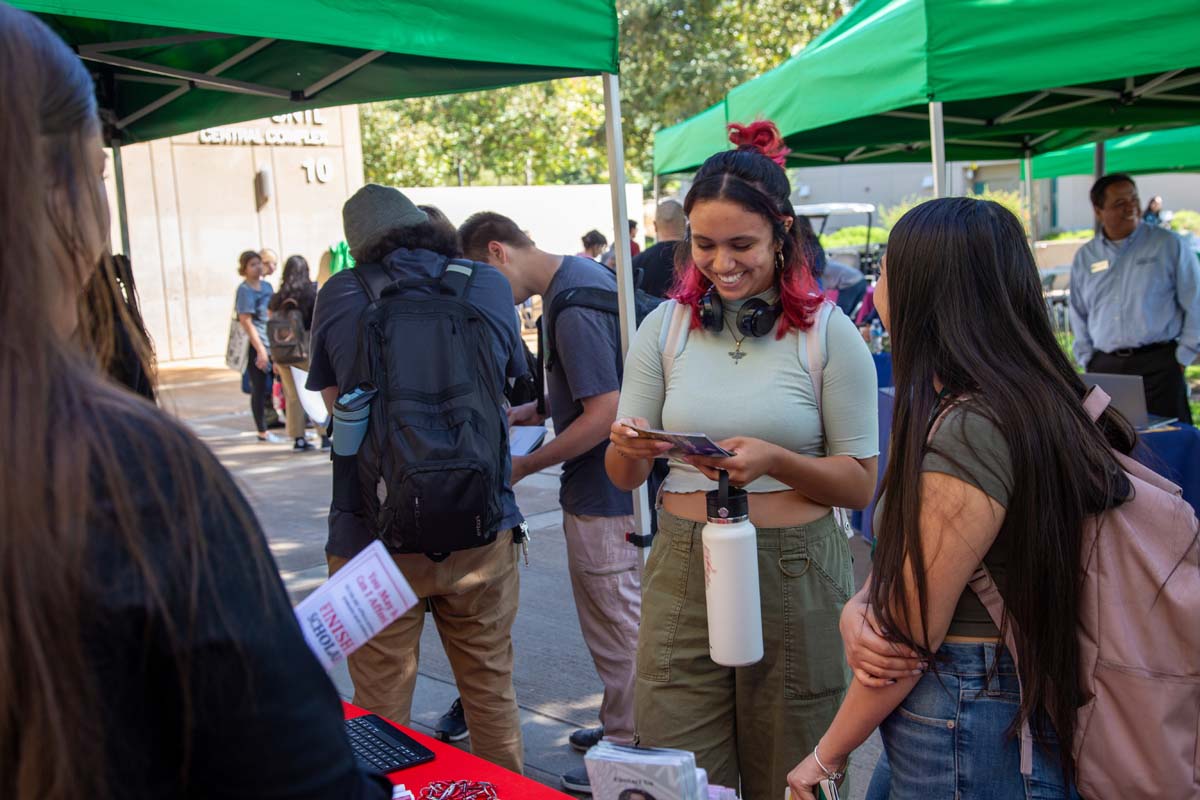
[[1128, 393]]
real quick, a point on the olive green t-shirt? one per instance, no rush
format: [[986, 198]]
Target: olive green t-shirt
[[969, 446]]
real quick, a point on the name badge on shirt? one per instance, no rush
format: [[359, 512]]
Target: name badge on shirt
[[1099, 266]]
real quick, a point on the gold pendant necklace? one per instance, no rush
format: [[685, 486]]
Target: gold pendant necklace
[[736, 353]]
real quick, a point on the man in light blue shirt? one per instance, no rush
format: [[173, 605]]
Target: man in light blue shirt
[[1135, 300]]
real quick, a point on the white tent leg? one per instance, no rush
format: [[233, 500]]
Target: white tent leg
[[937, 141], [657, 188], [122, 211], [1029, 201], [624, 265]]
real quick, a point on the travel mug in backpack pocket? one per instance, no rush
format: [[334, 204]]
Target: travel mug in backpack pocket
[[351, 416]]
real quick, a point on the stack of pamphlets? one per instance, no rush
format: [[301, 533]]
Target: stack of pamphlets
[[620, 772]]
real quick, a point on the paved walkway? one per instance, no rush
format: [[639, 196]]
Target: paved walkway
[[557, 687]]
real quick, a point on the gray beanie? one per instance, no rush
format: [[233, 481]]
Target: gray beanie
[[375, 211]]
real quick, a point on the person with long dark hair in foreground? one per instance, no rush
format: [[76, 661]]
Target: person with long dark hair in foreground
[[995, 461], [147, 646]]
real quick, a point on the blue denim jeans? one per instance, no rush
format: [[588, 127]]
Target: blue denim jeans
[[949, 739]]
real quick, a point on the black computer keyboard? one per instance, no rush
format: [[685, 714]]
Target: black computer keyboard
[[380, 747]]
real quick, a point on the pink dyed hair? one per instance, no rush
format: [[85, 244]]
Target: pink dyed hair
[[752, 176]]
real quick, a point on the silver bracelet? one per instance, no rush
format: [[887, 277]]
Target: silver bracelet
[[833, 775]]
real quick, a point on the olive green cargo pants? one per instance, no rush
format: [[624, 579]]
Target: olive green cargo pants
[[748, 726]]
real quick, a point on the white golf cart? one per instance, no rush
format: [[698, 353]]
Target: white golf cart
[[866, 257]]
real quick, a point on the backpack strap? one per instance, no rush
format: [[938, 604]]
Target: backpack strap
[[985, 589], [1096, 402], [589, 297], [373, 278], [673, 337], [458, 276], [814, 352], [539, 379]]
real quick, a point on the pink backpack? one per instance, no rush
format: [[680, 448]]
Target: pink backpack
[[1138, 735]]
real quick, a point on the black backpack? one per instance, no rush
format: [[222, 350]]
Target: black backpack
[[585, 297], [431, 466], [286, 336], [524, 390], [601, 300]]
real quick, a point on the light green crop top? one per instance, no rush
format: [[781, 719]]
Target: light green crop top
[[765, 395]]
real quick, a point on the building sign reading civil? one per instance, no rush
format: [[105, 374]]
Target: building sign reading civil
[[281, 133], [274, 136], [198, 199]]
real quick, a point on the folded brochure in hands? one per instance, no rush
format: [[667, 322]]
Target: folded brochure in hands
[[691, 444], [358, 601]]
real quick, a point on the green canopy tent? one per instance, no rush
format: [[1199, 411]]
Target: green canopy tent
[[916, 80], [1175, 150], [683, 147], [169, 68], [164, 68]]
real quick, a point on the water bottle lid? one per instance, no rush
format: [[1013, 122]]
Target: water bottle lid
[[727, 504], [357, 398]]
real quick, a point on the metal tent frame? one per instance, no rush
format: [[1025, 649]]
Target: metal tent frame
[[183, 81]]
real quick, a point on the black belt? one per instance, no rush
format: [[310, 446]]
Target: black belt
[[1126, 352]]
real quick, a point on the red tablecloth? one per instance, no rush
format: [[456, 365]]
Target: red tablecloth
[[454, 764]]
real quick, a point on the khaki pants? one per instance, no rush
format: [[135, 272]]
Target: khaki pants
[[747, 725], [473, 595], [296, 417], [606, 578]]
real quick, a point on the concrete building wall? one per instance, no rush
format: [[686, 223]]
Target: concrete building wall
[[193, 208]]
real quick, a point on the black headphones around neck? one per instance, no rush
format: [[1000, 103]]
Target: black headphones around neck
[[755, 318]]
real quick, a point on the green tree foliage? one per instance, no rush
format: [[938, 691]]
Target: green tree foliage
[[1010, 199], [1185, 221], [678, 57], [539, 133]]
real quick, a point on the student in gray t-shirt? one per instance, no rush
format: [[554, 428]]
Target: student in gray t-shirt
[[583, 389]]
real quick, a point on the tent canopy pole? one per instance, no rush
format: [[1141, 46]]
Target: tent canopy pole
[[624, 267], [937, 141], [1029, 204], [122, 211]]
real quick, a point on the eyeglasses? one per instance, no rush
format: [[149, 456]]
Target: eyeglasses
[[1127, 202]]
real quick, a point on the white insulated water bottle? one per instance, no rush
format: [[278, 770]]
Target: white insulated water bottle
[[731, 578]]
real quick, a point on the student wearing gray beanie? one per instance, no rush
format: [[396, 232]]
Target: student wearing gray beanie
[[472, 592], [373, 213]]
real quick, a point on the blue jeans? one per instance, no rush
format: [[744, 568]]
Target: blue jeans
[[949, 738]]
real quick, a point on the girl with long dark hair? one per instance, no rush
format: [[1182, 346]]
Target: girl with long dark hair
[[296, 291], [993, 461], [796, 454], [147, 646]]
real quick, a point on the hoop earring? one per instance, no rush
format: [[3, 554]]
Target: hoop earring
[[779, 260]]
